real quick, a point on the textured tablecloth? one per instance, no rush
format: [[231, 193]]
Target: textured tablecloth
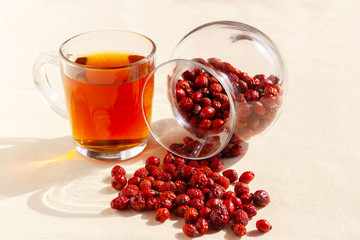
[[308, 161]]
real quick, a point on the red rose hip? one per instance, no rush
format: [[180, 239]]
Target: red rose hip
[[117, 169], [120, 203], [241, 188], [201, 81], [239, 229], [219, 217], [118, 181], [247, 177], [251, 95], [231, 174], [162, 214], [202, 225], [261, 198], [240, 216], [235, 150], [186, 104], [152, 161], [191, 215], [207, 112], [263, 225], [250, 210], [190, 230]]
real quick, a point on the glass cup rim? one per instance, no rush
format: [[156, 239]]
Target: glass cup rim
[[143, 60]]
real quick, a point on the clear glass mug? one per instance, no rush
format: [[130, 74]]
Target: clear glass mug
[[103, 74], [251, 72]]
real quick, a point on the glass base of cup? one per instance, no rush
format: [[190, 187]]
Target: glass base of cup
[[112, 156]]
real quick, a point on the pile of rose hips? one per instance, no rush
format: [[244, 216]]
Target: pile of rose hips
[[204, 104], [194, 190]]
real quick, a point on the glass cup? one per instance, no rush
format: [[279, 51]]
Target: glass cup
[[103, 75], [240, 99]]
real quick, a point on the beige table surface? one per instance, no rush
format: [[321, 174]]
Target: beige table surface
[[309, 161]]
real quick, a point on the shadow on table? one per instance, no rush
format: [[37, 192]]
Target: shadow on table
[[64, 183]]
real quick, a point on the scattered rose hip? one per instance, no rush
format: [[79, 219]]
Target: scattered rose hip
[[261, 198], [162, 214], [196, 191], [263, 225]]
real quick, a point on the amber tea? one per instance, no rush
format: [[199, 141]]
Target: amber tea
[[104, 101]]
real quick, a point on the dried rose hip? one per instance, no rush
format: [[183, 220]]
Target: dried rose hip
[[263, 225], [182, 199], [241, 188], [239, 229], [251, 95], [215, 88], [205, 124], [247, 177], [190, 230], [201, 81], [120, 203], [198, 180], [250, 210], [230, 207], [207, 112], [216, 191], [180, 93], [147, 193], [190, 215], [152, 161], [237, 202], [129, 191], [246, 198], [167, 186], [217, 123], [145, 184], [213, 202], [164, 202], [235, 150], [180, 211], [117, 169], [240, 216], [217, 165], [181, 187], [231, 174], [168, 194], [261, 198], [134, 181], [169, 158], [118, 181], [141, 173], [205, 212], [150, 203], [196, 203], [219, 217], [195, 193], [202, 225], [137, 203], [162, 214], [223, 181]]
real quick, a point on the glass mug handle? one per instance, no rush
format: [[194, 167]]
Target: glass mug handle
[[43, 82]]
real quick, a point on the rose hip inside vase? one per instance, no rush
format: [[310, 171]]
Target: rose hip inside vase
[[252, 117]]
